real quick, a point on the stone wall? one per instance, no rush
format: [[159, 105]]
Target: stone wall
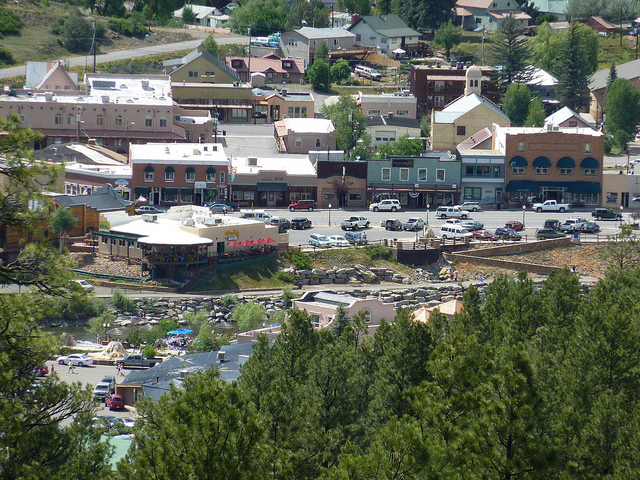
[[352, 275]]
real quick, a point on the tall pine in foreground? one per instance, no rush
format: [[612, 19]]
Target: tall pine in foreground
[[511, 52], [573, 70]]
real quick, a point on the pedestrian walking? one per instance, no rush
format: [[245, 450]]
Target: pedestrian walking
[[71, 368], [52, 368]]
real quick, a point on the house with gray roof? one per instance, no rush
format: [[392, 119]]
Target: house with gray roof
[[567, 118], [302, 43], [158, 380], [598, 85], [388, 129], [384, 32]]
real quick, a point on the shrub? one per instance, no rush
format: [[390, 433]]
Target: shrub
[[299, 259], [378, 252], [228, 300], [248, 315], [285, 277], [287, 295], [130, 27], [10, 23], [149, 351], [121, 301], [58, 25]]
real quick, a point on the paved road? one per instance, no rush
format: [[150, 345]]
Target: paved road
[[134, 53]]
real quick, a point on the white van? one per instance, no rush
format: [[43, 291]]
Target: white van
[[256, 215], [451, 230], [451, 212], [367, 72]]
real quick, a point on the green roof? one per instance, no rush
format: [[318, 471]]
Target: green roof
[[387, 25]]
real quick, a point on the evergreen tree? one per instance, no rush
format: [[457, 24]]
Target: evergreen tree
[[322, 52], [211, 45], [511, 51], [611, 78], [340, 321], [188, 16], [424, 14], [573, 70]]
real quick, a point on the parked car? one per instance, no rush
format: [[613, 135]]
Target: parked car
[[590, 227], [41, 371], [485, 235], [354, 223], [389, 205], [552, 223], [471, 207], [101, 391], [472, 225], [319, 240], [571, 225], [452, 230], [219, 208], [307, 205], [547, 233], [148, 209], [280, 222], [111, 380], [606, 214], [79, 359], [451, 212], [356, 238], [393, 224], [114, 401], [85, 285], [300, 223], [339, 241], [508, 234], [414, 223], [514, 225], [231, 206]]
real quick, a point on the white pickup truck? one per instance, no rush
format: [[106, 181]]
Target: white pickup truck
[[354, 223], [550, 206]]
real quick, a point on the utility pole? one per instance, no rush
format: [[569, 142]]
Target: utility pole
[[249, 62], [332, 15], [94, 45], [621, 25]]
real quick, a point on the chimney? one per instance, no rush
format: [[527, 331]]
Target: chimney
[[390, 115]]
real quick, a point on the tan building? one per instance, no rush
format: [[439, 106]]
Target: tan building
[[552, 164], [115, 110], [404, 105], [275, 69], [302, 135], [230, 102], [181, 173], [342, 184], [51, 76], [199, 66], [302, 43], [271, 106], [620, 190], [462, 118]]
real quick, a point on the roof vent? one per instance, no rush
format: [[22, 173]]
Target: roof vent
[[252, 161], [105, 98], [221, 355], [438, 64], [183, 373], [147, 217], [48, 96]]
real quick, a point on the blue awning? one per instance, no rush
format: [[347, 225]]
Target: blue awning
[[542, 162], [148, 168], [585, 187], [169, 169], [171, 190], [271, 187], [566, 162], [518, 161], [589, 162], [141, 190]]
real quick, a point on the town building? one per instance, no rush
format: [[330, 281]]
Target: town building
[[543, 85], [487, 14], [598, 85], [399, 104], [600, 25], [227, 102], [431, 179], [551, 163], [567, 118], [301, 135], [51, 76], [274, 68], [178, 174], [199, 66], [322, 307], [448, 309], [342, 184], [205, 16], [302, 43], [115, 110], [271, 105], [436, 86], [272, 182], [384, 32], [483, 170], [467, 115], [385, 130]]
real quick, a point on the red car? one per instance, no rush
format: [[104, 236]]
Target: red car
[[484, 235], [514, 224], [114, 401]]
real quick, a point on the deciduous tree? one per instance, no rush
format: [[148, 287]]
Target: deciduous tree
[[62, 222], [314, 13], [349, 122], [448, 36], [536, 114], [622, 107], [340, 70], [516, 103]]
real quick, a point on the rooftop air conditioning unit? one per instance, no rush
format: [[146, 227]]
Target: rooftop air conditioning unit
[[188, 222], [48, 96], [105, 98], [221, 355], [183, 373], [252, 161], [147, 217]]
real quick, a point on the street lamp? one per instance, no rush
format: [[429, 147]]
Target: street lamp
[[329, 214], [524, 209], [621, 214], [428, 213]]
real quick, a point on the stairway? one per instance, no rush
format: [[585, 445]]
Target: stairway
[[195, 281]]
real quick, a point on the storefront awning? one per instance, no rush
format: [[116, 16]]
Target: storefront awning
[[585, 187], [271, 187], [141, 190], [171, 191], [186, 191], [566, 162], [589, 162], [518, 161], [522, 186], [148, 168], [542, 162]]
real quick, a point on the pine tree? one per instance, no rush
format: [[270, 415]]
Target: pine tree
[[572, 70], [511, 52], [612, 77]]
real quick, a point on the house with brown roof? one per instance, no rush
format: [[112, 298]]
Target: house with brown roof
[[274, 68], [600, 25], [488, 14]]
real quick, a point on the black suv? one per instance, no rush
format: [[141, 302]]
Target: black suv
[[394, 224], [606, 214], [300, 223]]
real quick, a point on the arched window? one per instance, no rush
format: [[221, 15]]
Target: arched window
[[190, 174], [148, 122], [367, 315], [222, 177], [211, 174], [69, 119], [58, 119], [118, 120], [476, 83], [163, 122], [148, 173], [169, 174], [100, 120]]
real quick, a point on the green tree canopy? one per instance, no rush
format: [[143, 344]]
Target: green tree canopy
[[77, 33], [349, 122], [62, 222], [404, 146], [188, 16], [573, 68], [622, 107], [423, 14], [322, 52], [448, 36], [318, 75], [516, 103], [361, 7], [340, 70], [264, 17], [511, 51], [314, 13], [211, 45], [536, 114], [248, 315]]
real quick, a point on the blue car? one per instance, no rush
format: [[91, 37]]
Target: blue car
[[231, 206], [356, 238]]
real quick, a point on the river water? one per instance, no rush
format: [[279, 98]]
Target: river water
[[78, 333]]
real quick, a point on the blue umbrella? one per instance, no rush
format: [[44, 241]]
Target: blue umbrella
[[181, 331]]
